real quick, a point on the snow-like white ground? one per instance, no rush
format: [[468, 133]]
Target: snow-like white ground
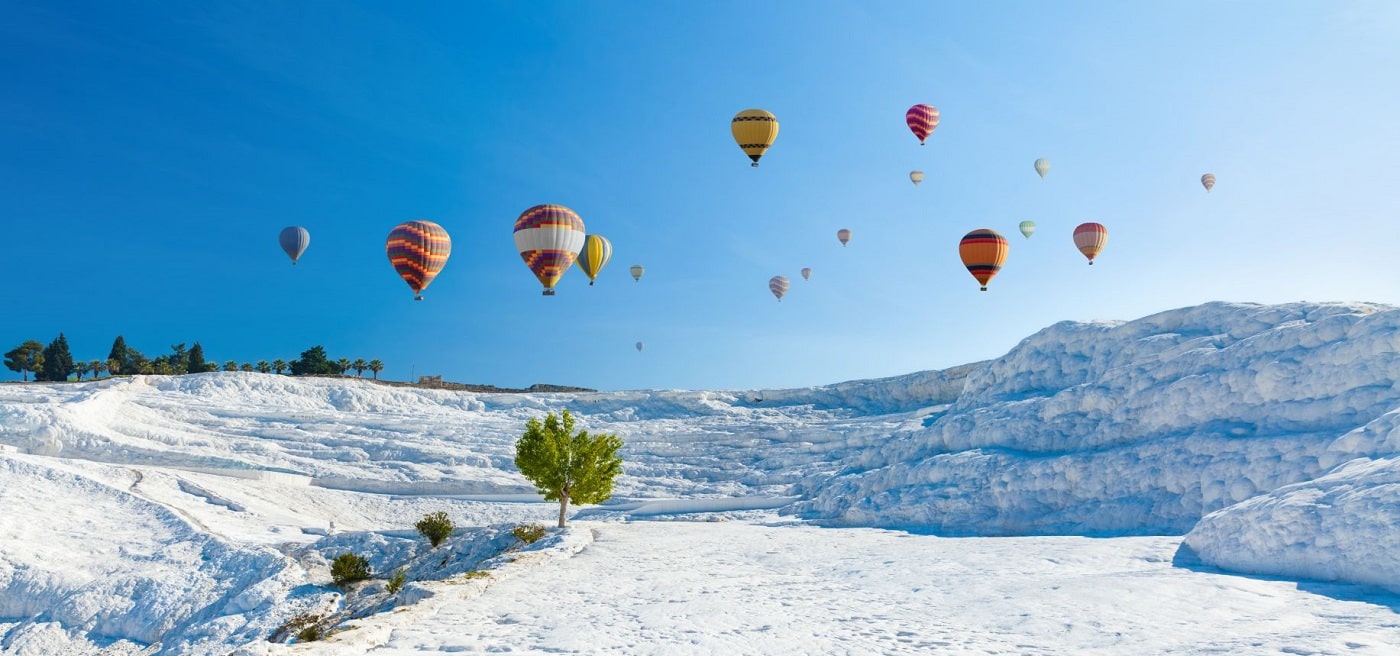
[[197, 514]]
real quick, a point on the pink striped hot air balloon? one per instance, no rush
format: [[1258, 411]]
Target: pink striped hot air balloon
[[1090, 238], [418, 250], [549, 238], [779, 286], [922, 120]]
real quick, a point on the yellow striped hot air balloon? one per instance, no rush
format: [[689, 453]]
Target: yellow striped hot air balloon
[[754, 130], [1090, 238], [596, 252], [983, 251]]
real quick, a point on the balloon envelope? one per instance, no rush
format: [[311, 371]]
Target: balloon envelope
[[636, 271], [844, 235], [418, 250], [1090, 238], [1042, 166], [778, 285], [1208, 181], [1027, 228], [922, 121], [639, 346], [983, 251], [596, 252], [754, 130], [549, 238], [294, 240], [916, 177], [807, 273]]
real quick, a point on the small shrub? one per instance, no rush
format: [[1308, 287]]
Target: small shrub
[[528, 533], [309, 634], [435, 526], [348, 568], [478, 574], [396, 582]]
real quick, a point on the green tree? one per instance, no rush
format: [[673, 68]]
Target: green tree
[[97, 367], [564, 465], [123, 358], [194, 362], [349, 567], [343, 365], [179, 359], [114, 366], [247, 366], [80, 367], [375, 366], [314, 361], [136, 362], [436, 526], [58, 361], [146, 367], [230, 365], [264, 367], [278, 365], [359, 365], [25, 358]]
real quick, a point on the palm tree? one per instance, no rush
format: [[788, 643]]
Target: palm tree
[[344, 364], [80, 368], [359, 365], [264, 367], [97, 367], [147, 367], [230, 365], [278, 365], [247, 366], [376, 367], [114, 367]]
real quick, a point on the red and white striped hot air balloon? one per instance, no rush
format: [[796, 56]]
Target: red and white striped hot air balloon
[[922, 121], [1090, 238]]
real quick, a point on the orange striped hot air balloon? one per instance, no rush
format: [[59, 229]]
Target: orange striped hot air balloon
[[922, 120], [418, 250], [1089, 238], [549, 238], [983, 251]]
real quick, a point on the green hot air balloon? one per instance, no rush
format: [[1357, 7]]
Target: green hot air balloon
[[1028, 228]]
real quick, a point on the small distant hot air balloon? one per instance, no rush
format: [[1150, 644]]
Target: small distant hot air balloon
[[596, 252], [754, 130], [1208, 181], [807, 273], [294, 240], [1042, 166], [1090, 238], [549, 238], [922, 120], [844, 235], [983, 251], [1027, 228], [636, 272], [639, 347], [418, 250], [916, 177], [779, 286]]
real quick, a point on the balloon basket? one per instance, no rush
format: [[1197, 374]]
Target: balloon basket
[[548, 292], [418, 298]]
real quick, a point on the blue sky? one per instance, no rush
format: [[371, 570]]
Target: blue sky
[[151, 152]]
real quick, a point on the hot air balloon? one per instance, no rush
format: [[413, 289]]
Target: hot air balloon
[[1042, 166], [754, 130], [1089, 238], [1208, 180], [636, 272], [294, 240], [549, 238], [418, 250], [807, 273], [1028, 228], [916, 177], [639, 347], [983, 251], [596, 252], [779, 286], [922, 120], [844, 235]]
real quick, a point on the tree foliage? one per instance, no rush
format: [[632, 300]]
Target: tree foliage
[[58, 361], [567, 466], [349, 567], [435, 526], [25, 358], [314, 361]]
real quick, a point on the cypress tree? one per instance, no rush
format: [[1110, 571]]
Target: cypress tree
[[196, 360], [119, 354], [58, 362]]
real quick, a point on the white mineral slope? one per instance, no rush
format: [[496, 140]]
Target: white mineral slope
[[1138, 427]]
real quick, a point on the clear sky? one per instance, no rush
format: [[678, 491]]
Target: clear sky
[[151, 152]]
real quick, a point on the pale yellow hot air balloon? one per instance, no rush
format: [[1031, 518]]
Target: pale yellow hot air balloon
[[754, 130], [1042, 166], [916, 177]]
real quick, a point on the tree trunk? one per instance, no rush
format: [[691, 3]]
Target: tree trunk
[[563, 506]]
